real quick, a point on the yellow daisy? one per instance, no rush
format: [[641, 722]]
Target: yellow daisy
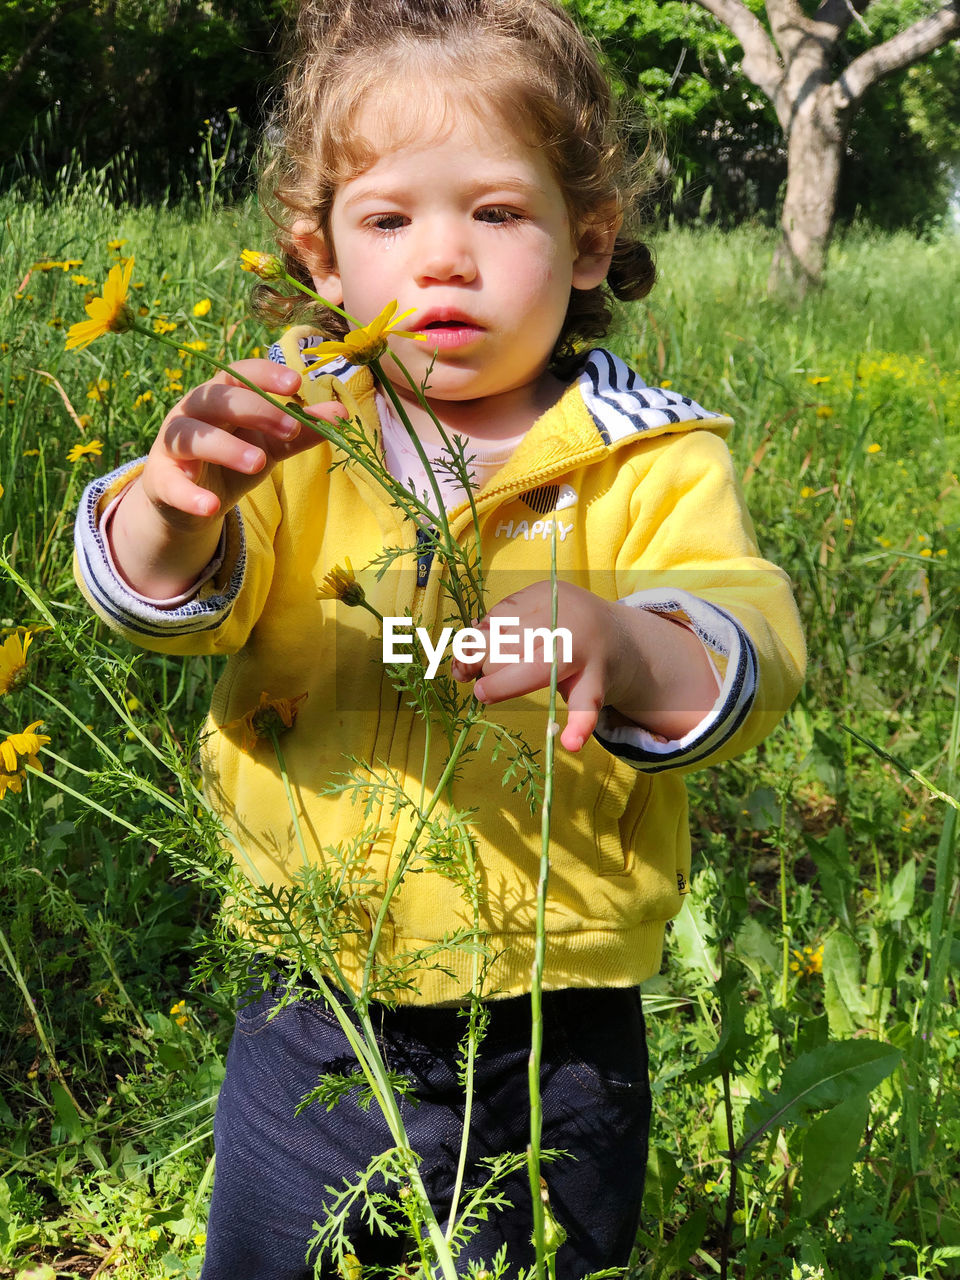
[[270, 716], [265, 265], [108, 314], [202, 308], [13, 660], [341, 584], [93, 449], [369, 342], [17, 753]]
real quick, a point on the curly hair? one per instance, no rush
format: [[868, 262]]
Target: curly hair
[[524, 60]]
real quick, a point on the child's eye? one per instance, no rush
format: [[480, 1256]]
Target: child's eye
[[497, 214], [387, 221]]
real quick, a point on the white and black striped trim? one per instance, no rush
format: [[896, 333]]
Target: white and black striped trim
[[621, 404], [339, 367], [721, 634], [114, 599]]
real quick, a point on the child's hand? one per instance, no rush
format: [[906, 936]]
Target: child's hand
[[584, 681], [222, 439], [215, 445], [650, 669]]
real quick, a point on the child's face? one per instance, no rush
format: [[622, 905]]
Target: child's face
[[466, 224]]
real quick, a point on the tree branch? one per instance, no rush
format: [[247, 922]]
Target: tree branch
[[761, 64], [838, 14], [899, 51]]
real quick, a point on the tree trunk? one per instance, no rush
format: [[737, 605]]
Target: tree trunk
[[815, 148]]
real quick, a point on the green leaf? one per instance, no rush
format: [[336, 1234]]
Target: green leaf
[[663, 1178], [822, 1078], [898, 899], [843, 996], [735, 1042], [756, 948], [830, 1146], [675, 1258], [690, 932], [71, 1126]]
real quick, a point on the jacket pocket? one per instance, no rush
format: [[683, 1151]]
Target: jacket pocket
[[623, 797]]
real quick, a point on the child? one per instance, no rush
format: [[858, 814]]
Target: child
[[460, 157]]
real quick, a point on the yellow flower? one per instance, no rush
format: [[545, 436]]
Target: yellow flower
[[93, 449], [97, 390], [163, 326], [269, 718], [369, 342], [173, 375], [667, 382], [108, 314], [265, 265], [824, 411], [873, 448], [926, 552], [341, 584], [202, 308], [195, 346], [153, 1233], [116, 245], [83, 280], [807, 492], [818, 381], [19, 752], [143, 398], [808, 961], [13, 657]]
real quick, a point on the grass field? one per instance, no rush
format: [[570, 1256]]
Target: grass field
[[805, 1031]]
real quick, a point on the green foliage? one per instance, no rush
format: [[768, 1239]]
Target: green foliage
[[104, 82]]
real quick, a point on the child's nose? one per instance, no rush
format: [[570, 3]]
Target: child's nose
[[445, 254]]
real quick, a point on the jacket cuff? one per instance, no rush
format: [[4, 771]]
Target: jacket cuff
[[734, 659], [204, 608]]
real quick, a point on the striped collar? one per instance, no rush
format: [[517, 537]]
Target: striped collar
[[616, 397]]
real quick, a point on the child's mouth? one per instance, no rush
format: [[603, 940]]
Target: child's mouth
[[446, 332]]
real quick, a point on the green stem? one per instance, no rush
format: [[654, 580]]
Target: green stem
[[404, 861], [469, 1083], [540, 948], [452, 547], [464, 478], [71, 715], [784, 918], [295, 816]]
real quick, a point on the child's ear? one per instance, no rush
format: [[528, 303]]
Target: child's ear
[[316, 255], [598, 235]]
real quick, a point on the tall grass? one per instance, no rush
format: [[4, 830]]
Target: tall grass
[[825, 887]]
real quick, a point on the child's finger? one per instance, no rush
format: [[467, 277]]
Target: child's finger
[[584, 697], [190, 440], [177, 491], [275, 378], [511, 681], [233, 407]]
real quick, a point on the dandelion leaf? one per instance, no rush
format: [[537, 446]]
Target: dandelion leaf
[[830, 1146], [821, 1078]]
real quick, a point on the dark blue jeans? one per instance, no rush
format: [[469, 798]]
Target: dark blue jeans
[[274, 1169]]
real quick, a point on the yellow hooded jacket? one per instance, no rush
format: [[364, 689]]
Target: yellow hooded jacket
[[648, 510]]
